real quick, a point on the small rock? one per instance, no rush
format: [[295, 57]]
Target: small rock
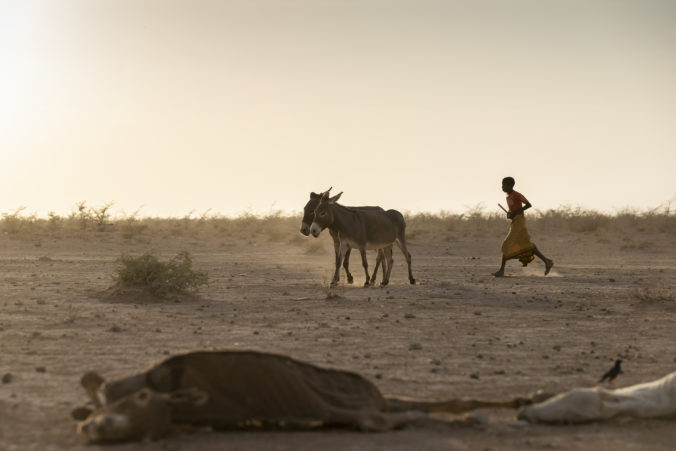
[[41, 369], [7, 378], [41, 302], [415, 347], [499, 372], [379, 375], [409, 316], [611, 280], [477, 313], [474, 375], [115, 329], [304, 298], [556, 348]]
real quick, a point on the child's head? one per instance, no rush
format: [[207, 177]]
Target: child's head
[[508, 184]]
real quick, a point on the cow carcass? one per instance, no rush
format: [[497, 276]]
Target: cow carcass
[[246, 389], [648, 400]]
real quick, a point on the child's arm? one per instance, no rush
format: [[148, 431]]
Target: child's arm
[[526, 206]]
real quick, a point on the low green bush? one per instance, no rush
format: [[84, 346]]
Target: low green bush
[[160, 278]]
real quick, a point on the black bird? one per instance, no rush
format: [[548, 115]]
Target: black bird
[[613, 372]]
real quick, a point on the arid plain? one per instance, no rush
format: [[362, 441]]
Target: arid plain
[[458, 332]]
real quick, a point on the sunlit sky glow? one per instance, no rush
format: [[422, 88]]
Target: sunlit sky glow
[[176, 106]]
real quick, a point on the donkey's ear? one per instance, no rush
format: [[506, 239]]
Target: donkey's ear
[[335, 198], [314, 195]]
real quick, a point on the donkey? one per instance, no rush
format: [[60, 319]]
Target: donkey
[[362, 229], [228, 390], [308, 219]]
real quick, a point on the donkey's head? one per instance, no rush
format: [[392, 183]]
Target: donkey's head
[[324, 213], [143, 414], [309, 211]]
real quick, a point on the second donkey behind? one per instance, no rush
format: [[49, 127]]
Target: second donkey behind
[[362, 229]]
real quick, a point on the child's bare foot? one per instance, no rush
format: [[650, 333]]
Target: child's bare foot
[[548, 266], [499, 273]]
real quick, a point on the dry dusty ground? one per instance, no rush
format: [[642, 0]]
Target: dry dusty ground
[[459, 332]]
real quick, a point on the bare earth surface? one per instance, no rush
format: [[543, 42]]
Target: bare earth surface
[[457, 333]]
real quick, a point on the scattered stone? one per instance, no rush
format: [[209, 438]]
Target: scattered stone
[[474, 375], [409, 316], [499, 372], [557, 348], [41, 369], [436, 362], [379, 375], [477, 313], [7, 378], [115, 329], [611, 280], [41, 302], [415, 347]]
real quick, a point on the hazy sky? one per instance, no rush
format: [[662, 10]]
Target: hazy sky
[[247, 105]]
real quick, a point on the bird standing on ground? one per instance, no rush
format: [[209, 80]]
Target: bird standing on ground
[[613, 372]]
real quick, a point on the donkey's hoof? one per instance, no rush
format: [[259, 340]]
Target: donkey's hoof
[[367, 284], [384, 283], [350, 279], [412, 280]]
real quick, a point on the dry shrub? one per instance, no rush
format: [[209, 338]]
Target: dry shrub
[[654, 294], [161, 278], [278, 227], [72, 313]]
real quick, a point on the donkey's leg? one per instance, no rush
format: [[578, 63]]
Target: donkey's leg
[[386, 266], [401, 242], [346, 265], [342, 250], [336, 248], [365, 263], [388, 258], [379, 260]]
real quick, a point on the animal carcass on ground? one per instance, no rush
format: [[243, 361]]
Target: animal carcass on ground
[[245, 389], [648, 400]]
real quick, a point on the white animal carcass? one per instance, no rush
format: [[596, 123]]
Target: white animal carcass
[[647, 400]]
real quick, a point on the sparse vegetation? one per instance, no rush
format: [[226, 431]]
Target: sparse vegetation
[[277, 226], [653, 294], [72, 313], [160, 278]]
